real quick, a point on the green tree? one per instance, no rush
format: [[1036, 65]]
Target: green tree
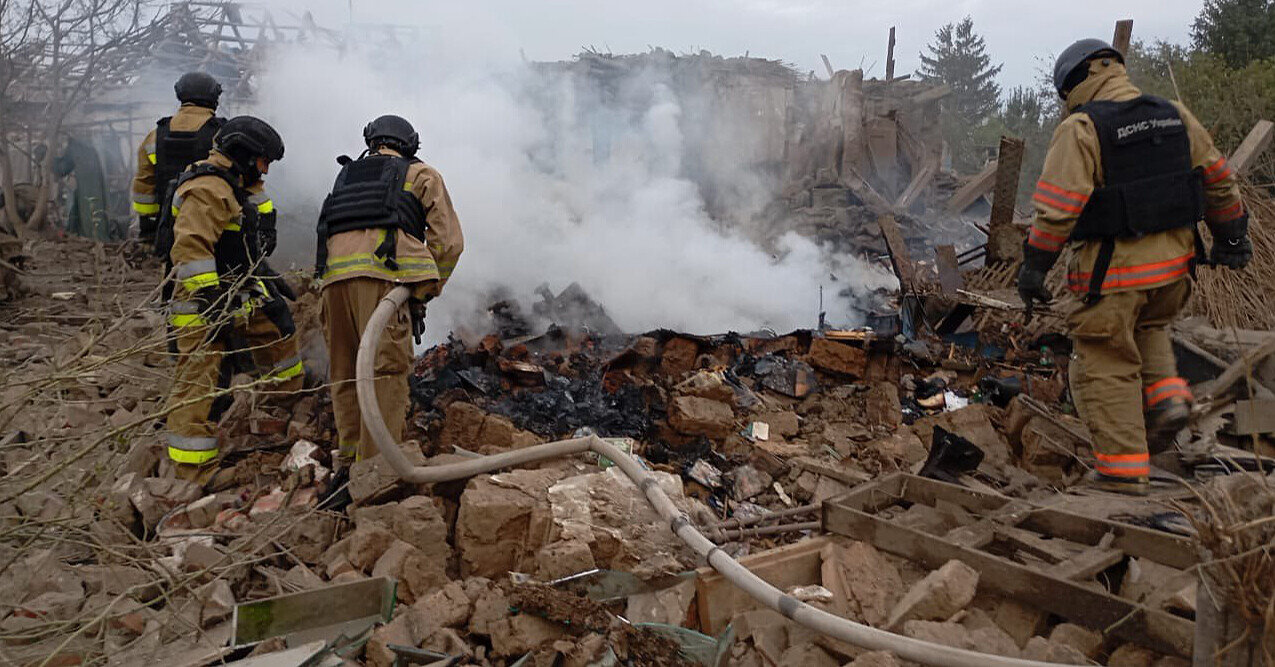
[[958, 57], [1238, 31]]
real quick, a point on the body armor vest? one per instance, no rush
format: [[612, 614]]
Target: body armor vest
[[368, 194], [237, 250], [175, 150], [1149, 185]]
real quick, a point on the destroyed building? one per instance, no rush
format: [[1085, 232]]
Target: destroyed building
[[918, 477]]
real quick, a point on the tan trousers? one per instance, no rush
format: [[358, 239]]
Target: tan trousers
[[1123, 364], [192, 425], [347, 306]]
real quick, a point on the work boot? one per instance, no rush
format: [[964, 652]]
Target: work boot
[[1164, 422], [197, 473], [1129, 486]]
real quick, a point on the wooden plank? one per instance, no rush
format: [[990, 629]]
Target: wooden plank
[[1153, 628], [1053, 551], [1235, 372], [889, 58], [827, 65], [900, 258], [1085, 565], [370, 601], [976, 188], [883, 147], [950, 278], [718, 600], [920, 181], [1123, 35], [1136, 541], [1257, 141], [1003, 241], [1253, 417]]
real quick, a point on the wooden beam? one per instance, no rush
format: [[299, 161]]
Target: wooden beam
[[717, 600], [976, 188], [900, 258], [1156, 629], [1003, 240], [950, 278], [1235, 372], [1257, 141], [917, 187], [826, 65], [889, 58], [1124, 33]]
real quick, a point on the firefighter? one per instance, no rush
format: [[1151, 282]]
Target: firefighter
[[175, 143], [388, 221], [1126, 180], [228, 313]]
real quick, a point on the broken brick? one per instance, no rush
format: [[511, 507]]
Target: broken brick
[[938, 596], [1084, 640], [838, 358], [692, 415], [367, 545]]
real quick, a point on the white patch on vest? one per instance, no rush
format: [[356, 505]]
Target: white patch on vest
[[1145, 125]]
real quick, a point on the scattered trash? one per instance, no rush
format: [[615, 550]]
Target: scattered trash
[[950, 457]]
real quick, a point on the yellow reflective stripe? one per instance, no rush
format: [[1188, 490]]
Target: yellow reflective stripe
[[197, 458], [187, 320], [200, 281], [266, 207], [145, 209], [287, 373], [407, 185], [234, 227], [151, 157], [367, 262], [175, 211]]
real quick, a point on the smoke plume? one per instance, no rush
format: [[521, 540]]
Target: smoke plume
[[555, 181]]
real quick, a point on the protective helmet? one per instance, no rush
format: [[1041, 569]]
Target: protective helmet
[[198, 88], [245, 138], [392, 131], [1069, 70]]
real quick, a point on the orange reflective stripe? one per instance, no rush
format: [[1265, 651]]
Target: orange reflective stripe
[[1078, 197], [1043, 240], [1225, 214], [1142, 471], [1173, 387], [1139, 274], [1056, 203], [1220, 163]]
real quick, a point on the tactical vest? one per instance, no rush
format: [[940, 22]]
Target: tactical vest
[[176, 149], [237, 250], [1149, 185], [369, 194]]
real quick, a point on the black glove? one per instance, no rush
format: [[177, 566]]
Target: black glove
[[416, 308], [146, 226], [1031, 278], [267, 232], [214, 306], [1231, 247]]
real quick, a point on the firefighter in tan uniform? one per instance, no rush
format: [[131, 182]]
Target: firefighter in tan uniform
[[229, 316], [176, 142], [388, 221], [1126, 180]]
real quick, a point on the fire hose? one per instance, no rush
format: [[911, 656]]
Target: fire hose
[[790, 607]]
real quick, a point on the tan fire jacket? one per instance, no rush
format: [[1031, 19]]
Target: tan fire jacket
[[204, 209], [1073, 169], [426, 266], [146, 200]]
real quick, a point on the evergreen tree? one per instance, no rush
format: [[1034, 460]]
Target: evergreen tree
[[1238, 31], [958, 57]]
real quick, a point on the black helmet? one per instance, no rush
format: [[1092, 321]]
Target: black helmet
[[245, 138], [1069, 70], [392, 131], [199, 88]]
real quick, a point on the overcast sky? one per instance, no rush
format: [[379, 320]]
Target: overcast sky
[[852, 33]]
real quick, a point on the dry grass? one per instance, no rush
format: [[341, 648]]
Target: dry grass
[[1243, 299]]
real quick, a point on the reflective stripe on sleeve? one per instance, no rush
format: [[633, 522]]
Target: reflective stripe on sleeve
[[1043, 240], [151, 157], [145, 209]]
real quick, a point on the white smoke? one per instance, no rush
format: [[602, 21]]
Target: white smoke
[[539, 201]]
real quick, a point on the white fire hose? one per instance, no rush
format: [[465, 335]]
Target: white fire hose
[[924, 652]]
